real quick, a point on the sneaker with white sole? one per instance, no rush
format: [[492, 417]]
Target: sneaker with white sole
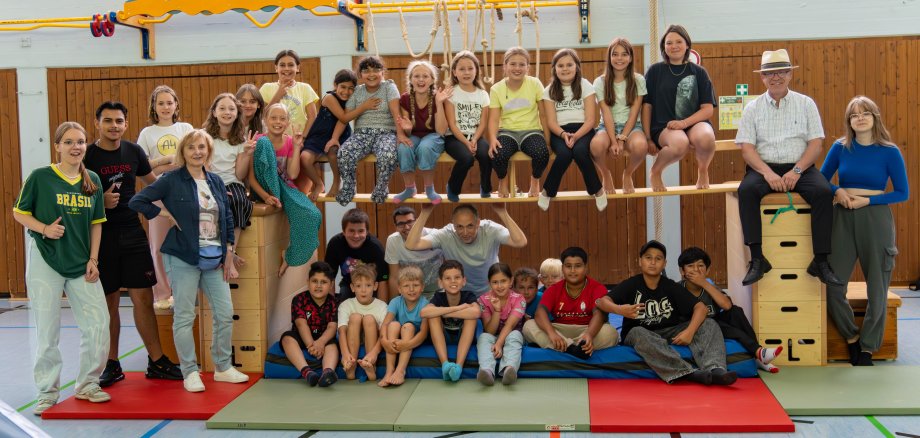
[[94, 394], [231, 375], [193, 383], [42, 406]]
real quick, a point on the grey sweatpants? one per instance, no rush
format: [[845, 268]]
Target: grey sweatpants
[[708, 349], [866, 234]]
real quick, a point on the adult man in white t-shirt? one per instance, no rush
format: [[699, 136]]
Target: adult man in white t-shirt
[[397, 255], [471, 241]]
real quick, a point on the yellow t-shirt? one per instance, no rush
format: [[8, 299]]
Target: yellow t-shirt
[[296, 101], [519, 108]]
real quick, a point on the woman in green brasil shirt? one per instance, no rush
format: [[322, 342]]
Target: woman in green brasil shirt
[[61, 205]]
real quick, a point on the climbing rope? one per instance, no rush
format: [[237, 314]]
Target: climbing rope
[[435, 24], [490, 66], [370, 28], [652, 35], [530, 13], [448, 53]]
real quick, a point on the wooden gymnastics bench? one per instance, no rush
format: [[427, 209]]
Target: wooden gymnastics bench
[[721, 146], [856, 295]]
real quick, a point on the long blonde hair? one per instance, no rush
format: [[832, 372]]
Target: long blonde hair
[[89, 187], [434, 80], [880, 133]]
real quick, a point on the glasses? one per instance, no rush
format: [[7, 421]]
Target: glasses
[[71, 142], [371, 70], [405, 224], [775, 74], [864, 114]]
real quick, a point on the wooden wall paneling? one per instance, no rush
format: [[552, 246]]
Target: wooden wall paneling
[[12, 270]]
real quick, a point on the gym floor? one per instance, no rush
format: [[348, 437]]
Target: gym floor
[[18, 390]]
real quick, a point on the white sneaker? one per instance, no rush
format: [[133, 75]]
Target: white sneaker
[[543, 201], [601, 201], [231, 375], [42, 406], [193, 383], [94, 394]]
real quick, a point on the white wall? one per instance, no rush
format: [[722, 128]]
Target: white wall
[[231, 37]]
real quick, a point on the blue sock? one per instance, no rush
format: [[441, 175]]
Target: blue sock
[[433, 196], [406, 194]]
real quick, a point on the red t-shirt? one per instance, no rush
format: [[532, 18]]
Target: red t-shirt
[[567, 310], [420, 128]]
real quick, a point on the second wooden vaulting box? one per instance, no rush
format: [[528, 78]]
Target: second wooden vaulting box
[[261, 246]]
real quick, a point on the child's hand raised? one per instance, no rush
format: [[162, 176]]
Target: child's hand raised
[[695, 277], [404, 123], [250, 145], [496, 303], [443, 94], [298, 136]]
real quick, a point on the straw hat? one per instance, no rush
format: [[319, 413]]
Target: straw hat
[[775, 60]]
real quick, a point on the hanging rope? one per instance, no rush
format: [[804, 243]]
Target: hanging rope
[[536, 31], [518, 28], [370, 28], [463, 19], [435, 24], [448, 53], [491, 78], [652, 35]]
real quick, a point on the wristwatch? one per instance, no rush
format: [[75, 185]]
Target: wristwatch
[[797, 170]]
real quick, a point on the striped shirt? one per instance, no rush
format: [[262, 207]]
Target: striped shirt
[[780, 135]]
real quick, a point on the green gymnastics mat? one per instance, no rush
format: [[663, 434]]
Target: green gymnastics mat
[[467, 405], [292, 405], [877, 390]]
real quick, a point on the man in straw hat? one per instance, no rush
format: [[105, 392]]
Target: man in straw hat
[[781, 137]]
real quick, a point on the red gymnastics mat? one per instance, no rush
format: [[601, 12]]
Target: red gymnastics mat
[[138, 397], [651, 405]]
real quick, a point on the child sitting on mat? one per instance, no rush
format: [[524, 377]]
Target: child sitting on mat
[[403, 328], [360, 318], [550, 274], [451, 316], [313, 315], [694, 268], [577, 328], [526, 281], [502, 318]]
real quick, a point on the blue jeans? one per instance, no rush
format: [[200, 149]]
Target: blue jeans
[[423, 155], [185, 280], [618, 127], [511, 352]]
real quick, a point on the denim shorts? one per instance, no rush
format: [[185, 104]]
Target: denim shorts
[[619, 127]]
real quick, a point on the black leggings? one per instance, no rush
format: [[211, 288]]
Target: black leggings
[[581, 152], [459, 152], [534, 146]]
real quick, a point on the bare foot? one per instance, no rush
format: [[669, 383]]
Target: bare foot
[[370, 368], [503, 190], [384, 382], [349, 371], [397, 378], [283, 267], [534, 188], [702, 180], [628, 184], [657, 183]]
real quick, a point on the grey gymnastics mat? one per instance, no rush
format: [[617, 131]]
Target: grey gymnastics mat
[[877, 390], [467, 405], [292, 405]]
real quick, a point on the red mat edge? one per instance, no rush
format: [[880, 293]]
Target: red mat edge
[[687, 428], [51, 414]]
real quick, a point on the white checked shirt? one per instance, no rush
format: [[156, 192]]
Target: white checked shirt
[[780, 135]]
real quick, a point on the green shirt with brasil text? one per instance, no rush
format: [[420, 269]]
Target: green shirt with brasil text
[[47, 195]]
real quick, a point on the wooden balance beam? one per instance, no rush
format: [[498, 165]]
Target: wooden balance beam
[[645, 192]]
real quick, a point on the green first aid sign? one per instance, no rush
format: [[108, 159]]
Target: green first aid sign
[[741, 89]]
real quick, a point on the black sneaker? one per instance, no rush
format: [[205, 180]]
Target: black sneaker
[[163, 368], [864, 360], [111, 374]]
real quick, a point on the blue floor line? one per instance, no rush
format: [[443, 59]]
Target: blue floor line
[[153, 431]]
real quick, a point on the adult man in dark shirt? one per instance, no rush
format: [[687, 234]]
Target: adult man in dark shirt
[[353, 246], [124, 252]]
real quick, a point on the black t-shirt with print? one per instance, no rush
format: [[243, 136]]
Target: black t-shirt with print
[[677, 93], [120, 167], [666, 306]]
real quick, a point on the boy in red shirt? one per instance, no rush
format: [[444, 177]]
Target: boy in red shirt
[[577, 327]]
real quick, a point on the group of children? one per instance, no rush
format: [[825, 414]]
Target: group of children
[[572, 117], [560, 308]]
